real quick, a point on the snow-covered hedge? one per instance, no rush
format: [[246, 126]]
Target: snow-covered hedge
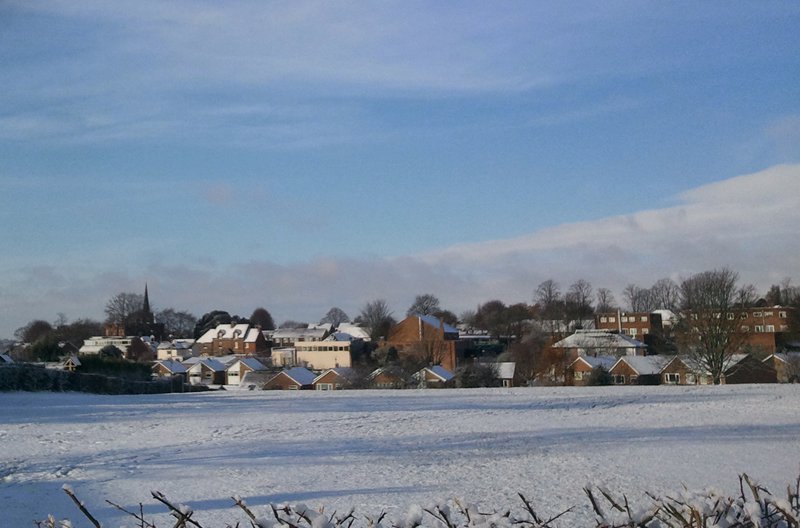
[[754, 506]]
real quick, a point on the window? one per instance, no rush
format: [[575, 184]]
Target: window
[[757, 314], [730, 317], [604, 319], [745, 328], [643, 319], [770, 328], [623, 319], [759, 328], [743, 315], [694, 317], [324, 386], [634, 379], [645, 330], [619, 379], [578, 375], [633, 331], [768, 314], [612, 319], [672, 378], [782, 315], [690, 379]]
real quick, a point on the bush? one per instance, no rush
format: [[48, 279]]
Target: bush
[[754, 507]]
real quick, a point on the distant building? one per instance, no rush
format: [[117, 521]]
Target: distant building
[[232, 338]]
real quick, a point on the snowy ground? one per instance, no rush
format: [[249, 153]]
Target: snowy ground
[[378, 450]]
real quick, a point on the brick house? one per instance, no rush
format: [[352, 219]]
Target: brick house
[[232, 338], [434, 377], [786, 366], [334, 379], [168, 368], [746, 368], [296, 378], [388, 378], [580, 370], [639, 370], [207, 371], [236, 371], [427, 338]]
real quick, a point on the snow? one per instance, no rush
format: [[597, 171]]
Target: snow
[[387, 450]]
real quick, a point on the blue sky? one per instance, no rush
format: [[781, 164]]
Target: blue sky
[[300, 155]]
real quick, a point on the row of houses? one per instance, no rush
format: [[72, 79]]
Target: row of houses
[[676, 370]]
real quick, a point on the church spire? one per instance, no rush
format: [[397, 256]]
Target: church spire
[[146, 304]]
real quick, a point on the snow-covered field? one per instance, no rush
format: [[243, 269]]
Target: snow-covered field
[[378, 450]]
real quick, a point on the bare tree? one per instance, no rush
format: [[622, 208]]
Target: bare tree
[[335, 317], [33, 331], [664, 294], [638, 299], [605, 301], [708, 327], [548, 297], [122, 306], [425, 304], [377, 317], [177, 323], [746, 296], [578, 301]]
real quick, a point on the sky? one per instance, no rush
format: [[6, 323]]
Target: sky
[[304, 155]]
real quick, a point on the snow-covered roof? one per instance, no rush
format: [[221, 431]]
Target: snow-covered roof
[[301, 375], [437, 323], [73, 360], [298, 333], [597, 361], [249, 362], [598, 339], [209, 363], [5, 358], [438, 371], [229, 331], [646, 365], [354, 330], [785, 357], [344, 372], [176, 367], [505, 369], [339, 336]]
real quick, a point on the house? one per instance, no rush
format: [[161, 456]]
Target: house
[[284, 357], [600, 343], [295, 378], [427, 338], [746, 368], [504, 371], [761, 329], [638, 325], [357, 332], [207, 371], [168, 368], [786, 366], [434, 377], [335, 379], [235, 372], [71, 363], [682, 371], [94, 345], [179, 349], [580, 370], [638, 370], [388, 378], [232, 338]]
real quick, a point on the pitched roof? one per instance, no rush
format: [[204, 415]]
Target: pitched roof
[[176, 367], [344, 372], [301, 375], [5, 358], [598, 339], [597, 361], [230, 331], [646, 365], [249, 362], [209, 363], [437, 323], [439, 371]]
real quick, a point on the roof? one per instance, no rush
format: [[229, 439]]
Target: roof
[[598, 339], [597, 361], [437, 323], [646, 365], [176, 367], [785, 357], [301, 375], [230, 331], [354, 330], [339, 336], [5, 358], [209, 363], [344, 372], [297, 333], [74, 360], [505, 369], [249, 362], [440, 372]]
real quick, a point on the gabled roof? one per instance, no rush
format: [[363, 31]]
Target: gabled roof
[[354, 330], [209, 363], [300, 375], [298, 333], [339, 336], [597, 361], [437, 323], [230, 331], [73, 360], [249, 362], [176, 367], [5, 358], [645, 365], [343, 372], [598, 339], [438, 371], [784, 357]]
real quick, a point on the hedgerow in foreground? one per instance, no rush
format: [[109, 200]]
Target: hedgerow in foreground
[[754, 507]]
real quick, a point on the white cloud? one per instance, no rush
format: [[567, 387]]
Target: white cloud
[[747, 223]]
